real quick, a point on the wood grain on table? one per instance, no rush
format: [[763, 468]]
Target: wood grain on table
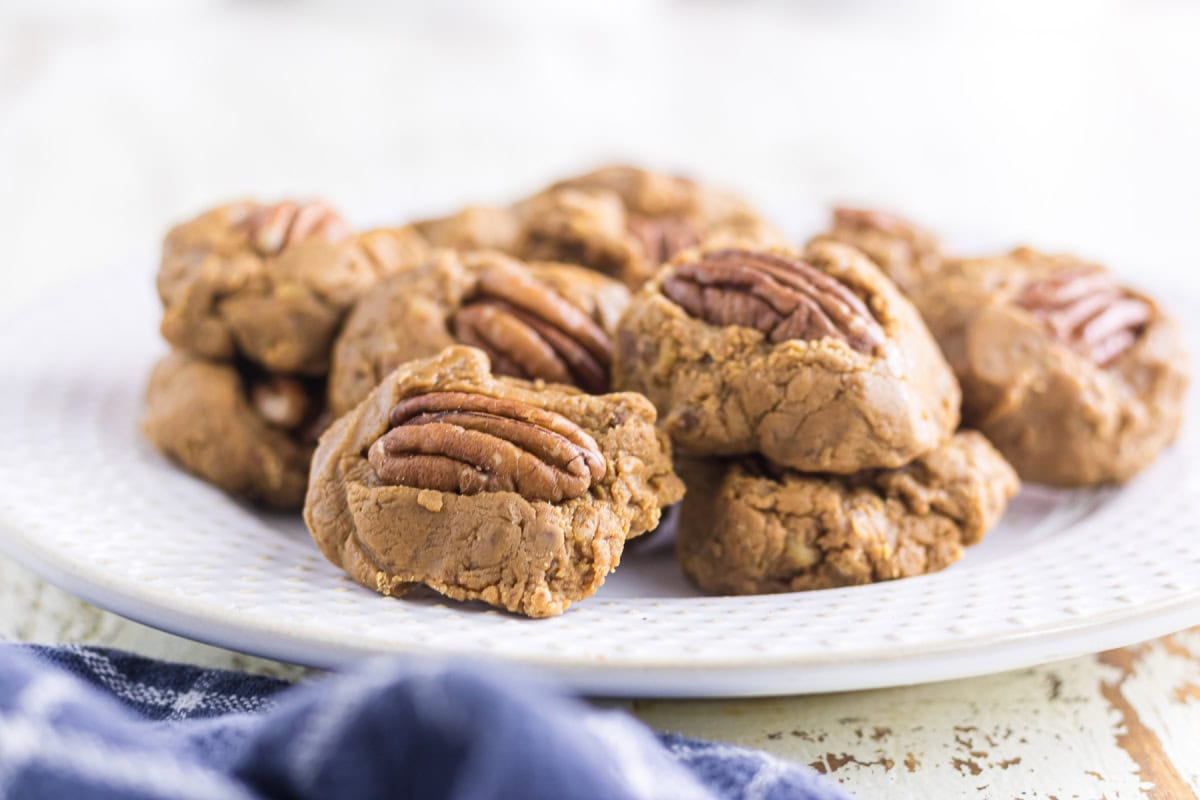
[[1121, 724]]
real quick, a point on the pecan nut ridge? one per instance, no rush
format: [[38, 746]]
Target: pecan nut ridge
[[470, 443], [272, 228], [531, 331], [662, 238], [783, 297], [1088, 311]]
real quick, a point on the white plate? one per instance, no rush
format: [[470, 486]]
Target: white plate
[[88, 504]]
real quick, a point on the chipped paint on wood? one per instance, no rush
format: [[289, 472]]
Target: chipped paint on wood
[[1139, 741], [1161, 730], [1053, 731]]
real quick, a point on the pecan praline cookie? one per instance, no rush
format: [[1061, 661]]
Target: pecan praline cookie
[[271, 283], [750, 528], [1077, 379], [487, 488], [249, 433], [814, 360], [907, 253], [552, 322], [626, 222]]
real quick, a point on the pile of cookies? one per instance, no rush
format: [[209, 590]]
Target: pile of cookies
[[491, 404]]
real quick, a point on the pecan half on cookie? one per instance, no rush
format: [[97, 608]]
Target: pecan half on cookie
[[487, 488], [1075, 378], [245, 431], [270, 283], [549, 322], [814, 360], [748, 527], [627, 222]]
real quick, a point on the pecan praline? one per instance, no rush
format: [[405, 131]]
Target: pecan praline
[[538, 321], [906, 252], [813, 359], [248, 434], [749, 528], [483, 487], [271, 283], [1075, 378]]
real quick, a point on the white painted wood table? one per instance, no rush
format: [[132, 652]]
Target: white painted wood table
[[1069, 124]]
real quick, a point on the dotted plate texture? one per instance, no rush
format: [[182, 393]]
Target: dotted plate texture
[[92, 507]]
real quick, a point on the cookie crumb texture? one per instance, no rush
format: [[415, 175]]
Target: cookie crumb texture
[[198, 413], [271, 283], [817, 405], [527, 556], [1069, 399], [747, 528]]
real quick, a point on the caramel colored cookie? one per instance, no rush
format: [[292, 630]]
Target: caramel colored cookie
[[750, 528], [473, 228], [814, 360], [905, 252], [247, 432], [486, 488], [1076, 379], [626, 222], [551, 322], [271, 283]]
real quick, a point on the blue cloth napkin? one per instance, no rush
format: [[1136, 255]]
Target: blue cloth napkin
[[84, 722]]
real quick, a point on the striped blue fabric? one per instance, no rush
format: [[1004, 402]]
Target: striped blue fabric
[[84, 722]]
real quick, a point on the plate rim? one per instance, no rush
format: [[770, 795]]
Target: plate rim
[[766, 676]]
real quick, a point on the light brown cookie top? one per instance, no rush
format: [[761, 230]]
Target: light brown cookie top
[[904, 251], [1077, 379], [812, 359], [247, 432], [626, 222], [552, 322], [270, 283], [748, 527], [473, 228], [487, 488]]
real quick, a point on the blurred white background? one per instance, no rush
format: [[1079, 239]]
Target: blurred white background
[[1071, 125]]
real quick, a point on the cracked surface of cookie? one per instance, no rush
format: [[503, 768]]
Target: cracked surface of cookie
[[626, 222], [271, 283], [814, 360], [539, 321], [751, 528], [1075, 378], [496, 489], [247, 432], [904, 251]]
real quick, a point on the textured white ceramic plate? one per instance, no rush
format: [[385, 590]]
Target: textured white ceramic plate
[[85, 502]]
